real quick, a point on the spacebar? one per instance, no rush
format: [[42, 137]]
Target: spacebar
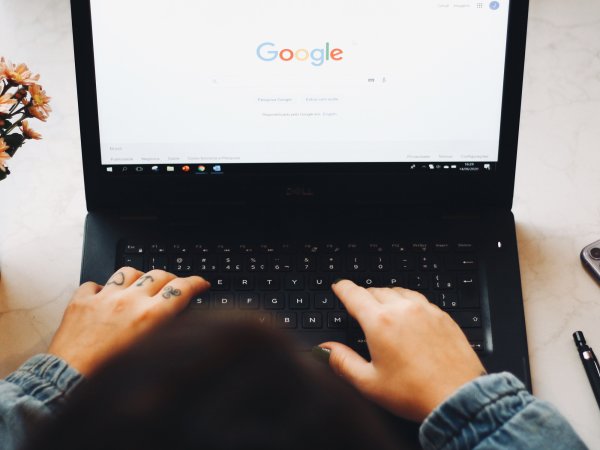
[[309, 339]]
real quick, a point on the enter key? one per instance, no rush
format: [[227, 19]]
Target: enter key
[[468, 290]]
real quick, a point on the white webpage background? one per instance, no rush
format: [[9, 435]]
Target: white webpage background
[[180, 81]]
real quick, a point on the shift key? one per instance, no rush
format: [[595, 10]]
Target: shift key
[[467, 319]]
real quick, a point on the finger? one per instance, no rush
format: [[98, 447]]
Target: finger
[[122, 279], [348, 364], [176, 294], [357, 300], [87, 289], [152, 282]]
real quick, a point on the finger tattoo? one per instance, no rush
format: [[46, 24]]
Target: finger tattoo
[[118, 279], [143, 279], [169, 292]]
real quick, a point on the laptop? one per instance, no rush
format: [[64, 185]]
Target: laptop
[[275, 146]]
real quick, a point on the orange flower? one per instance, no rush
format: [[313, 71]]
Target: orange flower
[[39, 106], [3, 155], [28, 132], [3, 146], [17, 74], [6, 101]]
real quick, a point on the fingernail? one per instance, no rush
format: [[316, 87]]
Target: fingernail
[[337, 280], [321, 354]]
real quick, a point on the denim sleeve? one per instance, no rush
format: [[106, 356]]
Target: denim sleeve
[[497, 412], [30, 395]]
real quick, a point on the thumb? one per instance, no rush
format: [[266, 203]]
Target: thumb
[[348, 364]]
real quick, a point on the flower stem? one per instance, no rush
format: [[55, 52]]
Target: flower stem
[[5, 88]]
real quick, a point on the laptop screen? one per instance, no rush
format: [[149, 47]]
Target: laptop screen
[[208, 87]]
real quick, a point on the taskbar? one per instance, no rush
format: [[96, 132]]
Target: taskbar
[[221, 169]]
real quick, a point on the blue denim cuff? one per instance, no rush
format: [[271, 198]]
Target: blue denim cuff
[[47, 378], [474, 412]]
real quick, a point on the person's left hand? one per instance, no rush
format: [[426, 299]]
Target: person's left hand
[[100, 321]]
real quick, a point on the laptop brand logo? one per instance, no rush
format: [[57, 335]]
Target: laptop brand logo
[[269, 52], [299, 191]]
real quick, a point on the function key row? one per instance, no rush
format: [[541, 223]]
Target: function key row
[[181, 248]]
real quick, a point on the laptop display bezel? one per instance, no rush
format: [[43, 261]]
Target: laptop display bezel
[[322, 184]]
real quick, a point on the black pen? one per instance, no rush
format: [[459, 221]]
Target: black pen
[[590, 363]]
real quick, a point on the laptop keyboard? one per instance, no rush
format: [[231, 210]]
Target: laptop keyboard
[[288, 285]]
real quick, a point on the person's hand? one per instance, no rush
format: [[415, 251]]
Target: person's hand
[[101, 321], [419, 355]]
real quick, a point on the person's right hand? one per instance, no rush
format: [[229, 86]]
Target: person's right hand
[[419, 355]]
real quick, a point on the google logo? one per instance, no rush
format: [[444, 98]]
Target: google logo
[[267, 52]]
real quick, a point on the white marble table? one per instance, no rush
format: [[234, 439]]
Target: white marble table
[[557, 201]]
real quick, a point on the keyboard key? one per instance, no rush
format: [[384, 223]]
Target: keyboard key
[[332, 248], [356, 263], [447, 300], [311, 248], [319, 283], [419, 247], [156, 247], [261, 317], [200, 302], [268, 283], [157, 262], [312, 320], [294, 283], [245, 249], [379, 263], [274, 301], [220, 283], [224, 249], [281, 263], [331, 263], [200, 248], [358, 342], [405, 262], [397, 247], [267, 249], [244, 283], [467, 319], [223, 301], [443, 282], [206, 264], [286, 320], [181, 264], [135, 261], [367, 282], [418, 281], [428, 263], [337, 320], [133, 249], [441, 247], [464, 262], [248, 301], [469, 297], [307, 264], [231, 263], [465, 246], [181, 249], [375, 248], [477, 346], [325, 300], [397, 280], [256, 263], [299, 301]]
